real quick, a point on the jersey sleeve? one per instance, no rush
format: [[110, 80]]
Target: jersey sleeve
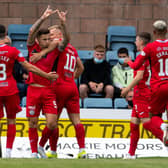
[[139, 61]]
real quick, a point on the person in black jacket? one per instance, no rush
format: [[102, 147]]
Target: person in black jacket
[[96, 76]]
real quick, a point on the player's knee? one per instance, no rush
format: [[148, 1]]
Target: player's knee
[[51, 125], [33, 123]]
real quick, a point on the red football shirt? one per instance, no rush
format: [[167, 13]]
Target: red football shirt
[[44, 64], [66, 64], [8, 56], [157, 54], [144, 82]]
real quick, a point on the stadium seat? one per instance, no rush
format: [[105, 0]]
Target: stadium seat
[[97, 103], [112, 57], [85, 54], [23, 102], [121, 36], [96, 95], [80, 103], [117, 45], [120, 103], [19, 34]]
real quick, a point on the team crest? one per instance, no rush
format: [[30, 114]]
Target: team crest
[[159, 48], [31, 110]]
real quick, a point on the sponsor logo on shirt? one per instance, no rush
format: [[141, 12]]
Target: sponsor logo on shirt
[[3, 84], [67, 74]]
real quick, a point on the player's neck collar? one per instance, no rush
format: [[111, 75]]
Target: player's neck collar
[[162, 40], [2, 44]]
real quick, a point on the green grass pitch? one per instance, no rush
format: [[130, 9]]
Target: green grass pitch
[[87, 163]]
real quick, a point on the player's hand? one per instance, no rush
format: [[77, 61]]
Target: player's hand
[[48, 12], [35, 57], [62, 15], [52, 76], [25, 76], [124, 92], [126, 60]]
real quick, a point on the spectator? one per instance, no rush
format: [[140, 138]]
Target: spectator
[[96, 76], [122, 75]]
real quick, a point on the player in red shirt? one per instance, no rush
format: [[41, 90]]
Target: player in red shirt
[[9, 93], [40, 95], [141, 99], [157, 54], [69, 67]]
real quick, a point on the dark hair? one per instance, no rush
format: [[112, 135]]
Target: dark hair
[[99, 48], [2, 31], [145, 37], [42, 31], [122, 51]]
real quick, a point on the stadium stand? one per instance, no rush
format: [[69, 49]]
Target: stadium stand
[[85, 54], [121, 36], [18, 34], [97, 103], [120, 103]]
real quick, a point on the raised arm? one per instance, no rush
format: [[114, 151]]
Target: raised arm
[[66, 38], [56, 42], [34, 29], [138, 61]]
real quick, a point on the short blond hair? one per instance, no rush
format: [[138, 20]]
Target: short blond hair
[[55, 27], [160, 25]]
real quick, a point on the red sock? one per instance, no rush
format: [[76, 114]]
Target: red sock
[[157, 121], [11, 135], [80, 135], [152, 127], [134, 137], [45, 136], [54, 139], [33, 138]]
